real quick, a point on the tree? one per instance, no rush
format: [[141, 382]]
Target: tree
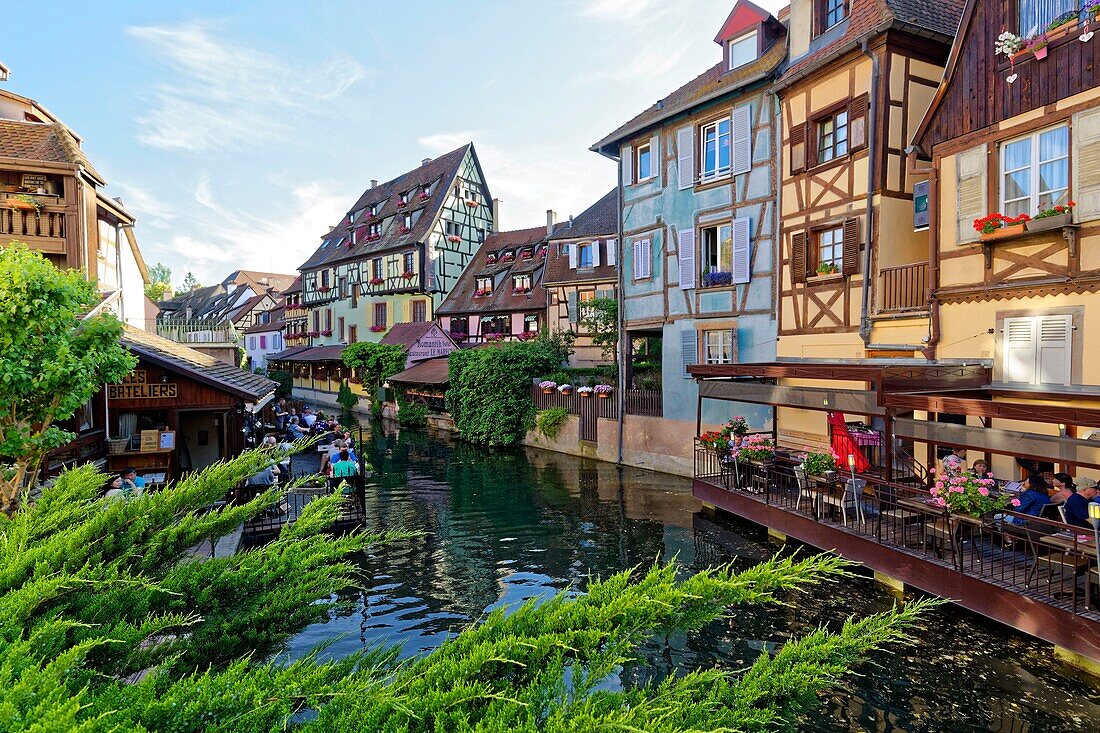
[[346, 398], [51, 361], [160, 282], [489, 393], [97, 594], [374, 363], [189, 283], [600, 317]]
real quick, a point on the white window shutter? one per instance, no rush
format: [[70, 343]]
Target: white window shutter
[[685, 152], [686, 252], [970, 188], [572, 252], [1086, 165], [655, 156], [628, 165], [741, 251], [741, 154], [1019, 350], [1054, 344], [689, 350], [643, 255], [636, 259], [595, 253], [612, 245]]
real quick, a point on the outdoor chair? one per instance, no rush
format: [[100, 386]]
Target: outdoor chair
[[807, 491], [758, 482], [851, 498], [894, 516]]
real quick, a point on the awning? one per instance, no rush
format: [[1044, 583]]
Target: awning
[[432, 371], [310, 353], [806, 398], [1004, 442]]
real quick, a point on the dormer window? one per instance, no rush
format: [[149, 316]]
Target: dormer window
[[407, 222], [374, 209], [484, 287], [831, 12], [521, 283], [742, 50]]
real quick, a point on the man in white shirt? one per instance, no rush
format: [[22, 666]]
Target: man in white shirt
[[308, 418]]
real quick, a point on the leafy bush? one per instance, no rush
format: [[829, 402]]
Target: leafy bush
[[346, 398], [490, 389], [549, 422], [816, 464], [412, 415], [374, 363], [284, 378], [600, 318]]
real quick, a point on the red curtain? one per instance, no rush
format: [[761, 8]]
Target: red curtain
[[844, 444]]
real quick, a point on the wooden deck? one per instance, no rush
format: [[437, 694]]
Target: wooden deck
[[1042, 584]]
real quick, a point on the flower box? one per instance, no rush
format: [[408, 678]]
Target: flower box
[[401, 203], [403, 230], [565, 389], [717, 279], [326, 332], [454, 238], [376, 281], [424, 196], [377, 329], [408, 274], [584, 391], [1049, 222], [1010, 230], [603, 391], [471, 203]]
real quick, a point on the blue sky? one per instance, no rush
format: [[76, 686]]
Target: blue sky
[[238, 132]]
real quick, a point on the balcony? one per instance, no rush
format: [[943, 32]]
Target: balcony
[[904, 288], [43, 230], [199, 332]]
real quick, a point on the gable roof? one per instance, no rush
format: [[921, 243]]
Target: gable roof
[[197, 365], [502, 299], [260, 281], [601, 218], [294, 287], [39, 141], [334, 246], [429, 371], [407, 334], [936, 19], [275, 323], [744, 15], [711, 84]]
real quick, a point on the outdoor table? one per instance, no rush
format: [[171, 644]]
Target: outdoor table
[[1064, 542]]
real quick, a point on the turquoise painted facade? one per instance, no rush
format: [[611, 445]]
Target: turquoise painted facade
[[698, 191]]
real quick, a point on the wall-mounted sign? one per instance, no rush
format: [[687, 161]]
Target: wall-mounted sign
[[34, 181], [167, 440], [149, 440], [135, 387], [433, 344], [920, 205]]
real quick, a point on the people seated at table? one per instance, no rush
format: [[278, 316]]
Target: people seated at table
[[954, 463], [1062, 489], [293, 429], [332, 455], [131, 480], [1077, 506], [119, 488], [1032, 499], [345, 466], [266, 476], [308, 418], [980, 469]]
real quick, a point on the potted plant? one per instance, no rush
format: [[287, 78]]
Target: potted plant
[[1009, 45], [757, 448], [408, 274], [584, 391], [1037, 45], [967, 494], [25, 203], [565, 389], [818, 464], [717, 279], [715, 441], [1062, 25], [603, 391], [1054, 217], [548, 386], [376, 281], [827, 268], [999, 226]]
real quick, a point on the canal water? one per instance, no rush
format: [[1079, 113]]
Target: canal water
[[502, 527]]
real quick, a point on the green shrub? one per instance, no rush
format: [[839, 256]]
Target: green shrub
[[816, 464], [374, 363], [490, 389], [550, 421], [346, 398], [412, 415], [284, 379]]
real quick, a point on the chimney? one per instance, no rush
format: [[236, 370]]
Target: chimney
[[374, 183], [425, 161], [551, 219], [570, 225], [496, 215]]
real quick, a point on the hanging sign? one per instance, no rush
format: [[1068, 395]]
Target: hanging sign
[[135, 386]]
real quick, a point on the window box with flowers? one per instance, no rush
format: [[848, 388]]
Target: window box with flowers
[[377, 329], [376, 281], [424, 196], [403, 230], [584, 391], [975, 496], [324, 288], [454, 239], [826, 269], [603, 391], [1056, 217], [326, 332], [471, 203], [314, 334], [402, 203], [520, 290], [490, 259], [509, 257], [408, 274], [482, 293], [548, 386], [717, 279], [565, 389], [998, 226], [458, 336]]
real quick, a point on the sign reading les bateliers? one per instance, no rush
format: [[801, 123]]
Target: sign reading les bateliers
[[135, 387]]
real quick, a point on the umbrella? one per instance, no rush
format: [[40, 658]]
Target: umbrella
[[843, 444]]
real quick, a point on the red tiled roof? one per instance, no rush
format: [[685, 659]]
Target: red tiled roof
[[37, 141], [599, 221], [273, 324], [502, 299], [295, 287], [310, 353], [406, 334]]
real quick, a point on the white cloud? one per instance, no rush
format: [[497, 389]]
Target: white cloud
[[222, 94], [150, 209]]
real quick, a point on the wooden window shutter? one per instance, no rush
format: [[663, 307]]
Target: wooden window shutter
[[595, 253], [628, 165], [655, 156], [798, 257], [1054, 346], [970, 192], [686, 253], [741, 252], [851, 247], [612, 251], [689, 350], [857, 123], [572, 252], [685, 156], [798, 149], [1086, 165], [1018, 350], [741, 153], [571, 307]]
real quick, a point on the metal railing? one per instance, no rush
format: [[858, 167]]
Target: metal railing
[[198, 332], [1041, 558], [904, 287]]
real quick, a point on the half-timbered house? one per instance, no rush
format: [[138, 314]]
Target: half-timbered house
[[697, 190], [399, 251]]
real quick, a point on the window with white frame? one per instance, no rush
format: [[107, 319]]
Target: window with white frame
[[407, 222], [584, 254], [1036, 15], [832, 136], [643, 163], [641, 257], [718, 346], [1035, 171], [830, 248], [714, 145], [484, 286], [521, 283], [716, 248], [742, 50]]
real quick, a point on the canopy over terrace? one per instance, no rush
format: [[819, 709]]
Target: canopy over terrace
[[893, 387]]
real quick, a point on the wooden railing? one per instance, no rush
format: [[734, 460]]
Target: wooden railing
[[904, 287], [28, 223], [647, 402]]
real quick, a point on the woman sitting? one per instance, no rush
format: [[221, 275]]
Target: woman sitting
[[1032, 499], [1063, 488]]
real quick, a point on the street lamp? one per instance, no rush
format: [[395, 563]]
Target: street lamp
[[1094, 520]]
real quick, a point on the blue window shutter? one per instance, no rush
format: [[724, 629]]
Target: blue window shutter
[[689, 350]]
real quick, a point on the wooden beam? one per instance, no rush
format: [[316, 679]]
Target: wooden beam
[[805, 398], [1014, 443]]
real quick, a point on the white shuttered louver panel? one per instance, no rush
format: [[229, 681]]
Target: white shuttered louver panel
[[596, 253], [642, 255], [685, 156], [742, 252], [970, 192], [1053, 360], [612, 247], [628, 165], [572, 252], [686, 252], [1086, 164], [689, 350], [655, 156], [741, 154], [1019, 350]]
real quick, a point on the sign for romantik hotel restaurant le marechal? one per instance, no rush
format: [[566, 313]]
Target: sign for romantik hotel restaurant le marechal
[[135, 387]]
